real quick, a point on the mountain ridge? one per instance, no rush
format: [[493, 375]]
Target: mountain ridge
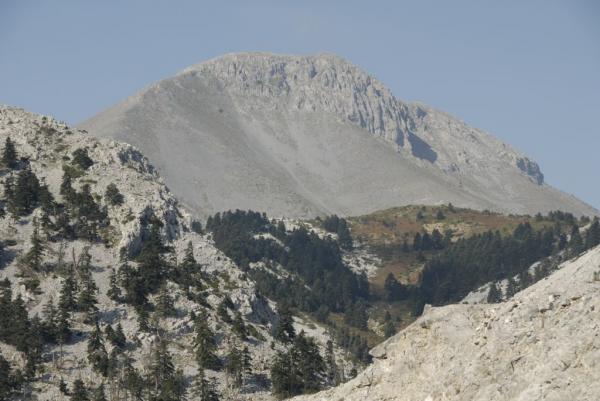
[[306, 135]]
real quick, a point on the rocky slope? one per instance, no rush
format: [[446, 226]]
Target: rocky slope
[[543, 344], [300, 136], [49, 146]]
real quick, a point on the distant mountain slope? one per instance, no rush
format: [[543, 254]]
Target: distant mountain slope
[[301, 136], [541, 345]]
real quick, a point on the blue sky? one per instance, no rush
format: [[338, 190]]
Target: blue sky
[[526, 71]]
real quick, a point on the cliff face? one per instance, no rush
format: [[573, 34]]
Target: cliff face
[[544, 344], [301, 136]]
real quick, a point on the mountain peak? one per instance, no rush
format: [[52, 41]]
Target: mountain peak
[[302, 135]]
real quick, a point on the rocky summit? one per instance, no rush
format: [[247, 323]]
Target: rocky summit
[[301, 136]]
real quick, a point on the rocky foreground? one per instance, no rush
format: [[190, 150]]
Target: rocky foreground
[[543, 344]]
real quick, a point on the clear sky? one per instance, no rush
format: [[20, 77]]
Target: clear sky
[[526, 71]]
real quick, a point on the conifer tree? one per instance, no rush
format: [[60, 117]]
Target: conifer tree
[[239, 327], [494, 294], [66, 188], [79, 392], [333, 374], [98, 393], [67, 294], [167, 382], [165, 304], [203, 389], [34, 256], [63, 326], [592, 238], [117, 338], [25, 193], [82, 159], [284, 330], [205, 345], [142, 319], [112, 195], [50, 320], [151, 262], [9, 154], [299, 369], [114, 291], [246, 361], [96, 351], [576, 242], [511, 287], [389, 329], [132, 380], [9, 382], [189, 269], [234, 366]]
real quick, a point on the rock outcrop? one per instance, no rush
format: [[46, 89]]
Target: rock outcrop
[[46, 146], [306, 135], [543, 344]]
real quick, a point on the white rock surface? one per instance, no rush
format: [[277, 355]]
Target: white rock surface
[[47, 142], [299, 136], [544, 344]]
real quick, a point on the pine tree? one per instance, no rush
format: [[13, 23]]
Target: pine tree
[[9, 154], [112, 195], [511, 287], [79, 392], [142, 319], [239, 327], [592, 238], [165, 304], [67, 294], [205, 345], [82, 159], [118, 338], [86, 301], [151, 262], [50, 320], [333, 374], [114, 291], [203, 389], [9, 382], [63, 326], [524, 279], [234, 365], [246, 361], [132, 381], [344, 237], [389, 329], [299, 369], [189, 267], [25, 193], [284, 330], [97, 355], [494, 294], [98, 393], [66, 188], [576, 242], [34, 257], [167, 382]]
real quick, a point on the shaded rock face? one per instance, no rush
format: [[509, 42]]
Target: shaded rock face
[[300, 136], [543, 344]]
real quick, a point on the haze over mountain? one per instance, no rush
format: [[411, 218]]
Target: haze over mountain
[[300, 136]]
